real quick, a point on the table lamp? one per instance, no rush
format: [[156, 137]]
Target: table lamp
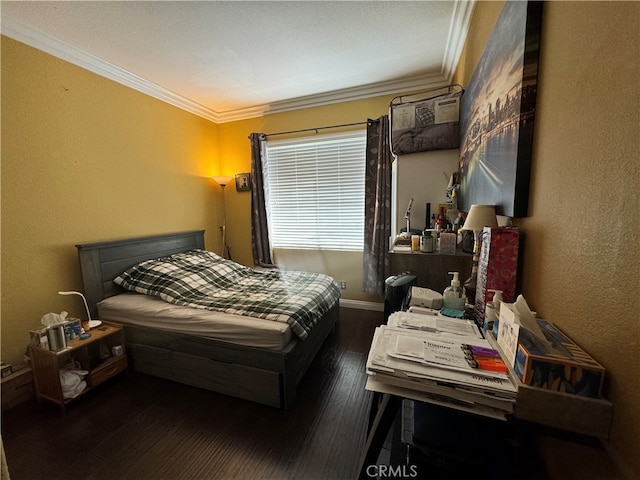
[[90, 323], [479, 216]]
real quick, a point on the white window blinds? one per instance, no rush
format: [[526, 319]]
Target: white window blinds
[[314, 189]]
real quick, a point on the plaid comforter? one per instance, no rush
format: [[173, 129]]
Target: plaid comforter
[[202, 279]]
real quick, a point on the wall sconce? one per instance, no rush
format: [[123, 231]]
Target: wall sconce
[[223, 181]]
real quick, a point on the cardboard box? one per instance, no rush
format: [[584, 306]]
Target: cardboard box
[[38, 338], [570, 370], [497, 267]]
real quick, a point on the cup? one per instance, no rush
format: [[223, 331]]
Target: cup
[[415, 243], [426, 244]]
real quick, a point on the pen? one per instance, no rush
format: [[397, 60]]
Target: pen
[[482, 351], [493, 366]]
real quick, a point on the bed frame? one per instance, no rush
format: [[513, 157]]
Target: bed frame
[[264, 376]]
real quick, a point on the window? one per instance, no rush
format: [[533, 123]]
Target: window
[[314, 189]]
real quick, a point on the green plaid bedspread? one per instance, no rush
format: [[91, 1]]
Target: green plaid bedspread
[[202, 279]]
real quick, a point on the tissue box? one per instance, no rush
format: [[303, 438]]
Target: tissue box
[[574, 371], [497, 267]]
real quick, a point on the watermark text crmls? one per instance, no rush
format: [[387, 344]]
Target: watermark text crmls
[[392, 471]]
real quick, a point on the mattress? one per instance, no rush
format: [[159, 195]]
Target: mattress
[[146, 311]]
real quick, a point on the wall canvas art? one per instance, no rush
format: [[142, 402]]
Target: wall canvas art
[[497, 114]]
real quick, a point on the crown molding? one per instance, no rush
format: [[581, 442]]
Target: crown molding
[[17, 30], [463, 9], [409, 85], [460, 21]]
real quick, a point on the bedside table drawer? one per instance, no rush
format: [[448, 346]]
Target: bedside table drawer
[[108, 370], [17, 388]]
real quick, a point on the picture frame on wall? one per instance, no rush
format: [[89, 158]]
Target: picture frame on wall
[[497, 114], [243, 182]]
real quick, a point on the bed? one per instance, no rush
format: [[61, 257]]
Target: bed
[[266, 373]]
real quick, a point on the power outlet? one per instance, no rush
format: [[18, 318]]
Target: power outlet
[[343, 285]]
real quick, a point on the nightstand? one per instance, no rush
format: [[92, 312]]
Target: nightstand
[[94, 354], [17, 388]]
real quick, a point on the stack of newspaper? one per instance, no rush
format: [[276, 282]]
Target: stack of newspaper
[[425, 356]]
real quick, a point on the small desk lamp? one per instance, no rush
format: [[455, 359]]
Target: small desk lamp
[[479, 216], [223, 181], [90, 323]]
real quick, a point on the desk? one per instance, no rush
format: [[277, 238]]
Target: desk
[[458, 392], [564, 412], [446, 442], [432, 269], [384, 410]]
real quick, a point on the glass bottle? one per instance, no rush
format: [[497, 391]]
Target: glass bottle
[[441, 222]]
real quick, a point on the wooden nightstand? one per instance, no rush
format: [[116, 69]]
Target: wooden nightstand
[[16, 388], [93, 354]]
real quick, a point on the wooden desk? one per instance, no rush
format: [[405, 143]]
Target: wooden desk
[[432, 269]]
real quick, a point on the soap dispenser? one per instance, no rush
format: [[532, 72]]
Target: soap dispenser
[[454, 296]]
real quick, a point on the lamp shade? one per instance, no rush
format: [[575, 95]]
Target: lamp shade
[[222, 180], [480, 216]]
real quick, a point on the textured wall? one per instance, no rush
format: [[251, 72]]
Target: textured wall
[[85, 159], [581, 265]]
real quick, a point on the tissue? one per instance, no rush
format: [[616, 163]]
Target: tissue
[[53, 319]]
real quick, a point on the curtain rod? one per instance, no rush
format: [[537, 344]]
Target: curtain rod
[[315, 129]]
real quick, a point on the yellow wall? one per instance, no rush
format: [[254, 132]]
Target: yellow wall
[[85, 159], [581, 264]]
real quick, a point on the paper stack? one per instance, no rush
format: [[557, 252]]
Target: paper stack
[[422, 356]]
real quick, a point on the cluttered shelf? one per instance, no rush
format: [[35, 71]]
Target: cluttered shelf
[[423, 354], [559, 384], [427, 353], [431, 269]]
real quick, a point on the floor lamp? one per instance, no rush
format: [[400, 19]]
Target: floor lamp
[[223, 181]]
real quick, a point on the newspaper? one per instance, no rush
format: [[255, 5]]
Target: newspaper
[[434, 323], [383, 359]]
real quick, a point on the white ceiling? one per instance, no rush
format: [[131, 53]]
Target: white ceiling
[[228, 60]]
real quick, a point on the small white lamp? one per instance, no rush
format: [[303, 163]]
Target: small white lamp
[[223, 181], [479, 216], [90, 323]]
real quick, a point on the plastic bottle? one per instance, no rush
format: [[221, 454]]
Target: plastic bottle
[[457, 228], [454, 296], [491, 309], [441, 222]]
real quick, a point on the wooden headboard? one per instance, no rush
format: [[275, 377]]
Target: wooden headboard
[[101, 262]]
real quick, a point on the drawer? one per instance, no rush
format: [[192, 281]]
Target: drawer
[[108, 370], [17, 388]]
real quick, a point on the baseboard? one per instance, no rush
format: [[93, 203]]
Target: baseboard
[[361, 305]]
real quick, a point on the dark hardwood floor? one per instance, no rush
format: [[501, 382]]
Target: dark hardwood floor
[[140, 427]]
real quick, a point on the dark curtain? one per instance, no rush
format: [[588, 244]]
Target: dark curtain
[[377, 215], [259, 228]]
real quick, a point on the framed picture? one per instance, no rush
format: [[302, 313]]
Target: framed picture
[[243, 182], [497, 113]]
